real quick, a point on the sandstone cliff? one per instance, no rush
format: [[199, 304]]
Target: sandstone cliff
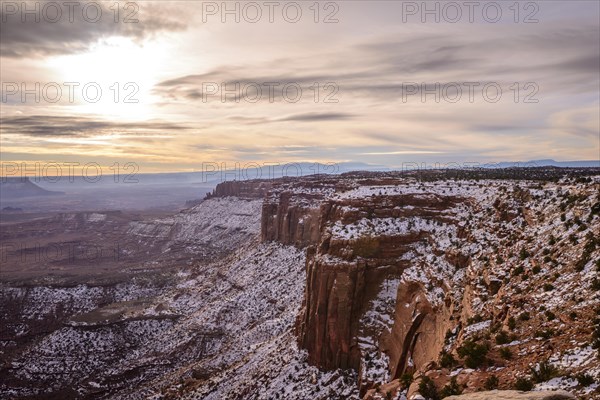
[[514, 395], [241, 189], [349, 265], [408, 277]]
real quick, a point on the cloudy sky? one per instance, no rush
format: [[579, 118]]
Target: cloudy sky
[[184, 83]]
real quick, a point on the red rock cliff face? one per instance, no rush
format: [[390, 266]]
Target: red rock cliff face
[[242, 189], [290, 212], [345, 271], [291, 219], [417, 336], [344, 274], [332, 309]]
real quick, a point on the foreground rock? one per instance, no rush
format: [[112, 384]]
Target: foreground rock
[[514, 395]]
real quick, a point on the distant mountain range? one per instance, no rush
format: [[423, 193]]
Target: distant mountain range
[[212, 175], [546, 163], [11, 187]]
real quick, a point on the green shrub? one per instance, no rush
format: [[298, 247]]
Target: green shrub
[[523, 384], [474, 319], [491, 382], [405, 380], [596, 333], [447, 360], [584, 379], [544, 371], [595, 209], [573, 315], [523, 254], [589, 248], [505, 353], [573, 238], [428, 390], [545, 334], [502, 337], [451, 389], [474, 354], [512, 324], [524, 316]]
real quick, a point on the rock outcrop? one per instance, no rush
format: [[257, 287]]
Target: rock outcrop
[[241, 189], [514, 395], [291, 219], [400, 273], [417, 336], [345, 271]]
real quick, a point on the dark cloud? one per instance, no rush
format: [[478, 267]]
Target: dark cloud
[[312, 117], [46, 126], [508, 128], [208, 87], [230, 75], [589, 63], [40, 38], [305, 117]]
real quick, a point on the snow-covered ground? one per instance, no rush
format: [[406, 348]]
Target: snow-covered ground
[[223, 326]]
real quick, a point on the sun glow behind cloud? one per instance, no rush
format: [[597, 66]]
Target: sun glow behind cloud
[[124, 70]]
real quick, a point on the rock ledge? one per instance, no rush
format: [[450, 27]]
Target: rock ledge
[[514, 395]]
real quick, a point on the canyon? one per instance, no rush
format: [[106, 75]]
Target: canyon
[[364, 285]]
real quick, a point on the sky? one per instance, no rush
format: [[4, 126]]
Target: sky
[[172, 85]]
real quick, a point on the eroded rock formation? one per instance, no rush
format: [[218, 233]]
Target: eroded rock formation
[[400, 272], [345, 272], [290, 219], [241, 189], [417, 335]]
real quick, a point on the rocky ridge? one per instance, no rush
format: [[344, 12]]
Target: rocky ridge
[[408, 274]]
